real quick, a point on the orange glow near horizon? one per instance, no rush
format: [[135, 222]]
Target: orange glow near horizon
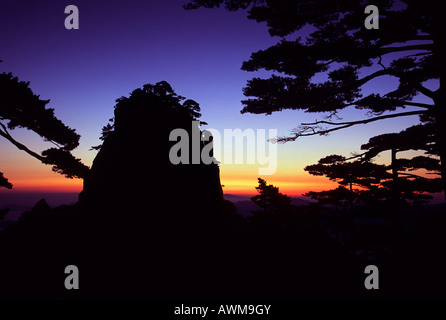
[[292, 181], [242, 186], [41, 180], [233, 181], [28, 175], [296, 188], [47, 185]]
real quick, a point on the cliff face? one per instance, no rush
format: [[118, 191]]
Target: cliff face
[[132, 177], [143, 226], [151, 223]]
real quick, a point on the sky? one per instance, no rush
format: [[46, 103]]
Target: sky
[[122, 45]]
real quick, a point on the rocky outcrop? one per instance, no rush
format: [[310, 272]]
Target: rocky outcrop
[[147, 228], [132, 178]]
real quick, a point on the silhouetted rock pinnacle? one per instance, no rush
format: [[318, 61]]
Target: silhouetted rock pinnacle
[[132, 177]]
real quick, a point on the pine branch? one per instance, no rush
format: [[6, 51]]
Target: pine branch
[[412, 175], [4, 133], [311, 129], [386, 50], [427, 92], [409, 113], [413, 104], [374, 75]]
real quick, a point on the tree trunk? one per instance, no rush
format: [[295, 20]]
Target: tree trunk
[[395, 184], [351, 197], [441, 145], [440, 118], [395, 192]]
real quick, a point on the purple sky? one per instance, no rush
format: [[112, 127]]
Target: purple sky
[[122, 45]]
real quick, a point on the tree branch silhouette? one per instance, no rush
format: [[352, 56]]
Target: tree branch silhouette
[[338, 35], [4, 133], [21, 108], [315, 129]]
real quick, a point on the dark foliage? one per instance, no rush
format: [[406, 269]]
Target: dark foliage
[[408, 40], [21, 108], [24, 109], [145, 228], [65, 163], [4, 182]]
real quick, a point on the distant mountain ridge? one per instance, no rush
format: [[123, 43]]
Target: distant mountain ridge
[[245, 206], [18, 202]]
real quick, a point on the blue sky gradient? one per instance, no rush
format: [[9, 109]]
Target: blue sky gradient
[[122, 45]]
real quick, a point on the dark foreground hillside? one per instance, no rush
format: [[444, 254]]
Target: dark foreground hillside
[[130, 238]]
